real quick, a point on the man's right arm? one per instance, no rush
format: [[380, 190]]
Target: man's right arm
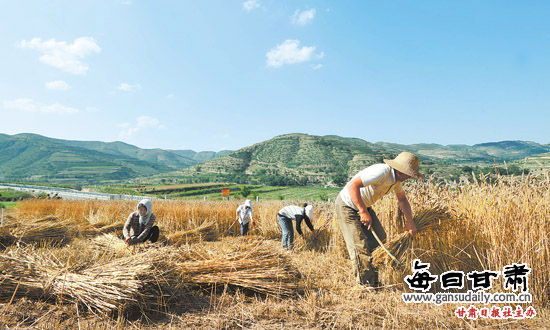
[[355, 194]]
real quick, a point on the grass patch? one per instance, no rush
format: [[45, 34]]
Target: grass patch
[[8, 205]]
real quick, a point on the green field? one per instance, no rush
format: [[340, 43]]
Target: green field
[[8, 205], [212, 191], [8, 195]]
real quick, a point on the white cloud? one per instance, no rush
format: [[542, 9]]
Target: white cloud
[[58, 85], [170, 96], [303, 17], [63, 55], [129, 87], [289, 52], [251, 5], [142, 122], [316, 66], [125, 2], [29, 105]]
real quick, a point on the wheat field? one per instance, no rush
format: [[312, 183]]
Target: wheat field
[[63, 265]]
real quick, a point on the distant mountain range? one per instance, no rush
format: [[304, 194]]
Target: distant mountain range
[[309, 159], [286, 159], [36, 157]]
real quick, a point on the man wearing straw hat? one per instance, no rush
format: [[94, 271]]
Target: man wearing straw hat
[[357, 218]]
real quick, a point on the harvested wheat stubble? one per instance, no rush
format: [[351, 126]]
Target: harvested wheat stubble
[[398, 246]]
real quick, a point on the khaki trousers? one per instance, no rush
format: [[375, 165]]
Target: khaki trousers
[[359, 241]]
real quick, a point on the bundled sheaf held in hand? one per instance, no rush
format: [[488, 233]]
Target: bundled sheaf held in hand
[[398, 246]]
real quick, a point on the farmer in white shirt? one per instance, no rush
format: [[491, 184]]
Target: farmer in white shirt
[[285, 217], [357, 218], [244, 216]]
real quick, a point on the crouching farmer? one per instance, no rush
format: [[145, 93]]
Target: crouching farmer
[[139, 225], [285, 217], [357, 219]]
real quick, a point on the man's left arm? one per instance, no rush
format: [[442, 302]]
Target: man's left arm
[[407, 211]]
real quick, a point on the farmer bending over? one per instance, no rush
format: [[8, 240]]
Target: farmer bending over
[[357, 218], [285, 217], [244, 216], [139, 226]]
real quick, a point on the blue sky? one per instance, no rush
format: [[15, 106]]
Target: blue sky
[[212, 75]]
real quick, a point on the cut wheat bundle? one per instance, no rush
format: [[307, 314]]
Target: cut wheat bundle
[[398, 246], [17, 279], [109, 242], [6, 238], [51, 232], [204, 232], [102, 228], [254, 266], [104, 287]]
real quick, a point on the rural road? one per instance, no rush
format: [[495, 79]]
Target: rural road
[[66, 193]]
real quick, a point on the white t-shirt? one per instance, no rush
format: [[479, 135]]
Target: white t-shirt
[[378, 180], [244, 214], [291, 211]]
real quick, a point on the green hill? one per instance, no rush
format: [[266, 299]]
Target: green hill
[[295, 159], [536, 164], [485, 152], [299, 159], [32, 157], [201, 156], [159, 156]]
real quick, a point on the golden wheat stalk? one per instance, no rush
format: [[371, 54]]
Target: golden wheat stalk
[[399, 245]]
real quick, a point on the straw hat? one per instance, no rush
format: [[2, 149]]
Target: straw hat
[[406, 163]]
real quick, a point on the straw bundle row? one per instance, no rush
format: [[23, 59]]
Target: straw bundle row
[[104, 287], [144, 273], [398, 246]]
